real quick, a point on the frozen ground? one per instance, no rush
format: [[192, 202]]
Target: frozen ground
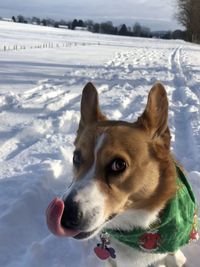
[[40, 87]]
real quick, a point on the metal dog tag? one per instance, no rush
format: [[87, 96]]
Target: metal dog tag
[[102, 250]]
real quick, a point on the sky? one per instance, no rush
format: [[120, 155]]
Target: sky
[[156, 14]]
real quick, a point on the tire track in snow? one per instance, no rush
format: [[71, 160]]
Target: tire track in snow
[[185, 146]]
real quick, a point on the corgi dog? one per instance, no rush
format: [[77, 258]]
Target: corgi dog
[[124, 179]]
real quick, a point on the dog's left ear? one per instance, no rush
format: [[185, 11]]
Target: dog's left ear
[[155, 115], [90, 110]]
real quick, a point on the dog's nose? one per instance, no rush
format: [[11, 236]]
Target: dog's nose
[[72, 215]]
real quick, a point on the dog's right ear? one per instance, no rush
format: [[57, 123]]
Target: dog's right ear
[[90, 110]]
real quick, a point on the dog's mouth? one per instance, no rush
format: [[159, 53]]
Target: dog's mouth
[[53, 216], [84, 235]]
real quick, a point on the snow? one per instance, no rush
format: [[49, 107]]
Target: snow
[[40, 90]]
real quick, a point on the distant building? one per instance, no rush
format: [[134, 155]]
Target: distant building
[[6, 19], [63, 26], [77, 28]]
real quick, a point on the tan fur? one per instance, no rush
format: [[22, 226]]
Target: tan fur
[[149, 179]]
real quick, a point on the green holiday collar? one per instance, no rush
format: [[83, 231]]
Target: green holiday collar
[[176, 226]]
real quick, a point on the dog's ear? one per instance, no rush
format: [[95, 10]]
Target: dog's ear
[[90, 111], [155, 115]]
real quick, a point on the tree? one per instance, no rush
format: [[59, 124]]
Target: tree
[[137, 29], [96, 28], [123, 30], [189, 16], [20, 19], [115, 30], [178, 34], [80, 23], [50, 22], [44, 22], [13, 19], [196, 21], [74, 24], [107, 27], [35, 20], [146, 32], [90, 25]]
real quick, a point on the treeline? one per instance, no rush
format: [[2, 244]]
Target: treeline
[[34, 20], [124, 30], [105, 27], [189, 16]]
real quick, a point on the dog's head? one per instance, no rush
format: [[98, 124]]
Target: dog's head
[[119, 167]]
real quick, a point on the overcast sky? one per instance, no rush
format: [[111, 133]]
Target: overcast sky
[[156, 14]]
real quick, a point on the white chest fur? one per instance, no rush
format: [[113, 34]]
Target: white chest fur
[[129, 257]]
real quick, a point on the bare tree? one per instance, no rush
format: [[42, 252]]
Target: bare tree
[[189, 16], [196, 21]]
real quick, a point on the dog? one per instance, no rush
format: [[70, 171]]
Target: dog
[[125, 188]]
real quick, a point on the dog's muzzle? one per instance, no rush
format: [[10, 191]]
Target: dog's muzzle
[[54, 215], [65, 218]]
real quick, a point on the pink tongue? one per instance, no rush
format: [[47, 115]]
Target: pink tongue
[[54, 214]]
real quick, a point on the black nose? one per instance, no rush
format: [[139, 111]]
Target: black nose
[[72, 215]]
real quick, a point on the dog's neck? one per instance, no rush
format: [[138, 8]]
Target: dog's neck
[[148, 236], [133, 218]]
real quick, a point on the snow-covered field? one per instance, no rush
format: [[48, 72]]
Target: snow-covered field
[[42, 73]]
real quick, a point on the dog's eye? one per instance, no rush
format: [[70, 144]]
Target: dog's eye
[[117, 166], [77, 159]]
